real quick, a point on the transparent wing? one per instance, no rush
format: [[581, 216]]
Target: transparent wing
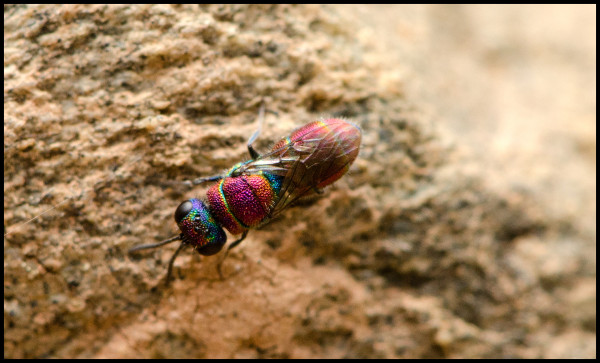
[[306, 161]]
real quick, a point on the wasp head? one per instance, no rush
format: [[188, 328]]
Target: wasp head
[[199, 228]]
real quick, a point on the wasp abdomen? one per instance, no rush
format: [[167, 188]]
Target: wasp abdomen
[[325, 150]]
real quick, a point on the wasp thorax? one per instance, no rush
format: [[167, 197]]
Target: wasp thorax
[[199, 228]]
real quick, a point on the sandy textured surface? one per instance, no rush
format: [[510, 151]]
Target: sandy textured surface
[[466, 227]]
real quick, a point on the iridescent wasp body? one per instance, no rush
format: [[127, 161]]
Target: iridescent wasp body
[[253, 192]]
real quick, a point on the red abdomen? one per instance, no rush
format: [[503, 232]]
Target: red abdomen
[[325, 149]]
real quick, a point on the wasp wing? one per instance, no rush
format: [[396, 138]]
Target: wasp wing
[[312, 157]]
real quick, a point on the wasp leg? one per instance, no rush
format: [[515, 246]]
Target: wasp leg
[[162, 243], [235, 243], [261, 118], [171, 261], [232, 245], [253, 153]]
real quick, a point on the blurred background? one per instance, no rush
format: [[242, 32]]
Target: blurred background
[[465, 228]]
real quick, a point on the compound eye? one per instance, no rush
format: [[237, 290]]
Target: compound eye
[[183, 210], [213, 248]]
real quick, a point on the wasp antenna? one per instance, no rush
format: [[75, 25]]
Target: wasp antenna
[[154, 245]]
